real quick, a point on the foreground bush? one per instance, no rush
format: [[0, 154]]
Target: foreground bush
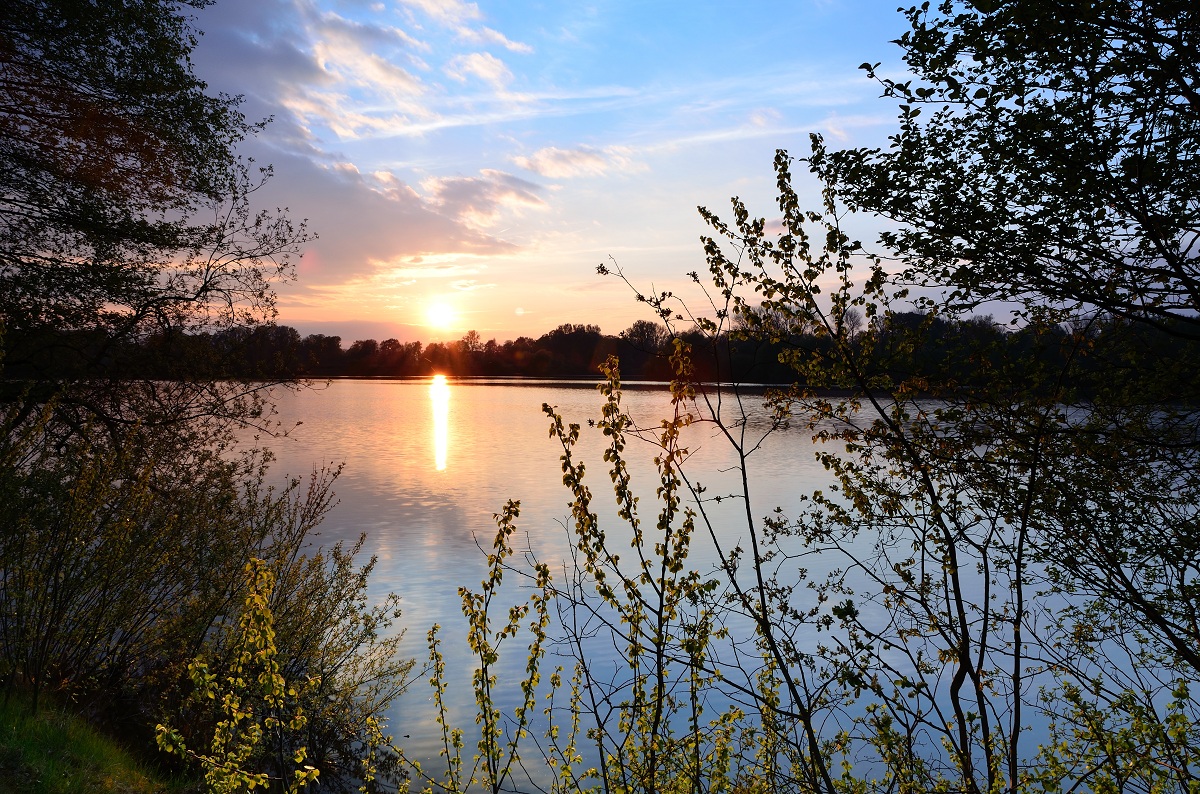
[[119, 565]]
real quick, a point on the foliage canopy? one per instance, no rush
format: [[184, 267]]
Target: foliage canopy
[[124, 208], [1057, 159]]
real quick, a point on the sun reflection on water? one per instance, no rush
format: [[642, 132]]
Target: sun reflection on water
[[439, 394]]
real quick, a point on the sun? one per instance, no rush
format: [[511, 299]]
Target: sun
[[440, 316]]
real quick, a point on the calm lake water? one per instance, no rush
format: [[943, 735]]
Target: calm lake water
[[427, 465]]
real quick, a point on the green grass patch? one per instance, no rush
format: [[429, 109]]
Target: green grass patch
[[54, 752]]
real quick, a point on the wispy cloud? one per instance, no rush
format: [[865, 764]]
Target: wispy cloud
[[339, 113], [363, 35], [834, 125], [447, 12], [486, 35], [461, 17], [761, 103], [556, 163], [480, 200], [483, 65], [765, 117], [404, 274], [470, 285]]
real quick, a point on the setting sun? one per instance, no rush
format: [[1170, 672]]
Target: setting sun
[[440, 316]]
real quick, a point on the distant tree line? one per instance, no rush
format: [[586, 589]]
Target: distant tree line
[[904, 346]]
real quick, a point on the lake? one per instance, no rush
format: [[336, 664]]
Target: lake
[[427, 465]]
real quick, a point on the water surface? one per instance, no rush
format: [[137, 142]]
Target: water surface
[[428, 464]]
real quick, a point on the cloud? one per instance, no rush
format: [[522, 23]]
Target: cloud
[[319, 73], [390, 286], [315, 72], [765, 117], [371, 86], [483, 65], [336, 111], [406, 271], [480, 200], [447, 12], [556, 163], [366, 221], [485, 35], [350, 65], [454, 15], [360, 35]]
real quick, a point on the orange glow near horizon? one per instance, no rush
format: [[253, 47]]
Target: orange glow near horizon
[[439, 395]]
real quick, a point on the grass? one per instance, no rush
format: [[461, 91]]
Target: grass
[[54, 752]]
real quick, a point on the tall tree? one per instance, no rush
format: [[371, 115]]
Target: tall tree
[[1060, 169], [124, 208], [1057, 161]]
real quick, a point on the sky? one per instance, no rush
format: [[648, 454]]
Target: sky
[[467, 166]]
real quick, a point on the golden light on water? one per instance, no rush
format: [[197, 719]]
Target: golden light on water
[[439, 395]]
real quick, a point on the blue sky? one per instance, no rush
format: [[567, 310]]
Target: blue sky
[[486, 157]]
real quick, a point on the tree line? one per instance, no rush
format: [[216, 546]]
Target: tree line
[[906, 344]]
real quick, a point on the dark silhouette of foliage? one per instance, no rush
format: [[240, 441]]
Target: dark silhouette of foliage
[[125, 214], [1058, 160]]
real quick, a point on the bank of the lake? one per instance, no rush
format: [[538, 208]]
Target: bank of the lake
[[57, 752]]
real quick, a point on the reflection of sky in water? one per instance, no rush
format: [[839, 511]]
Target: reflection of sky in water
[[424, 483]]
